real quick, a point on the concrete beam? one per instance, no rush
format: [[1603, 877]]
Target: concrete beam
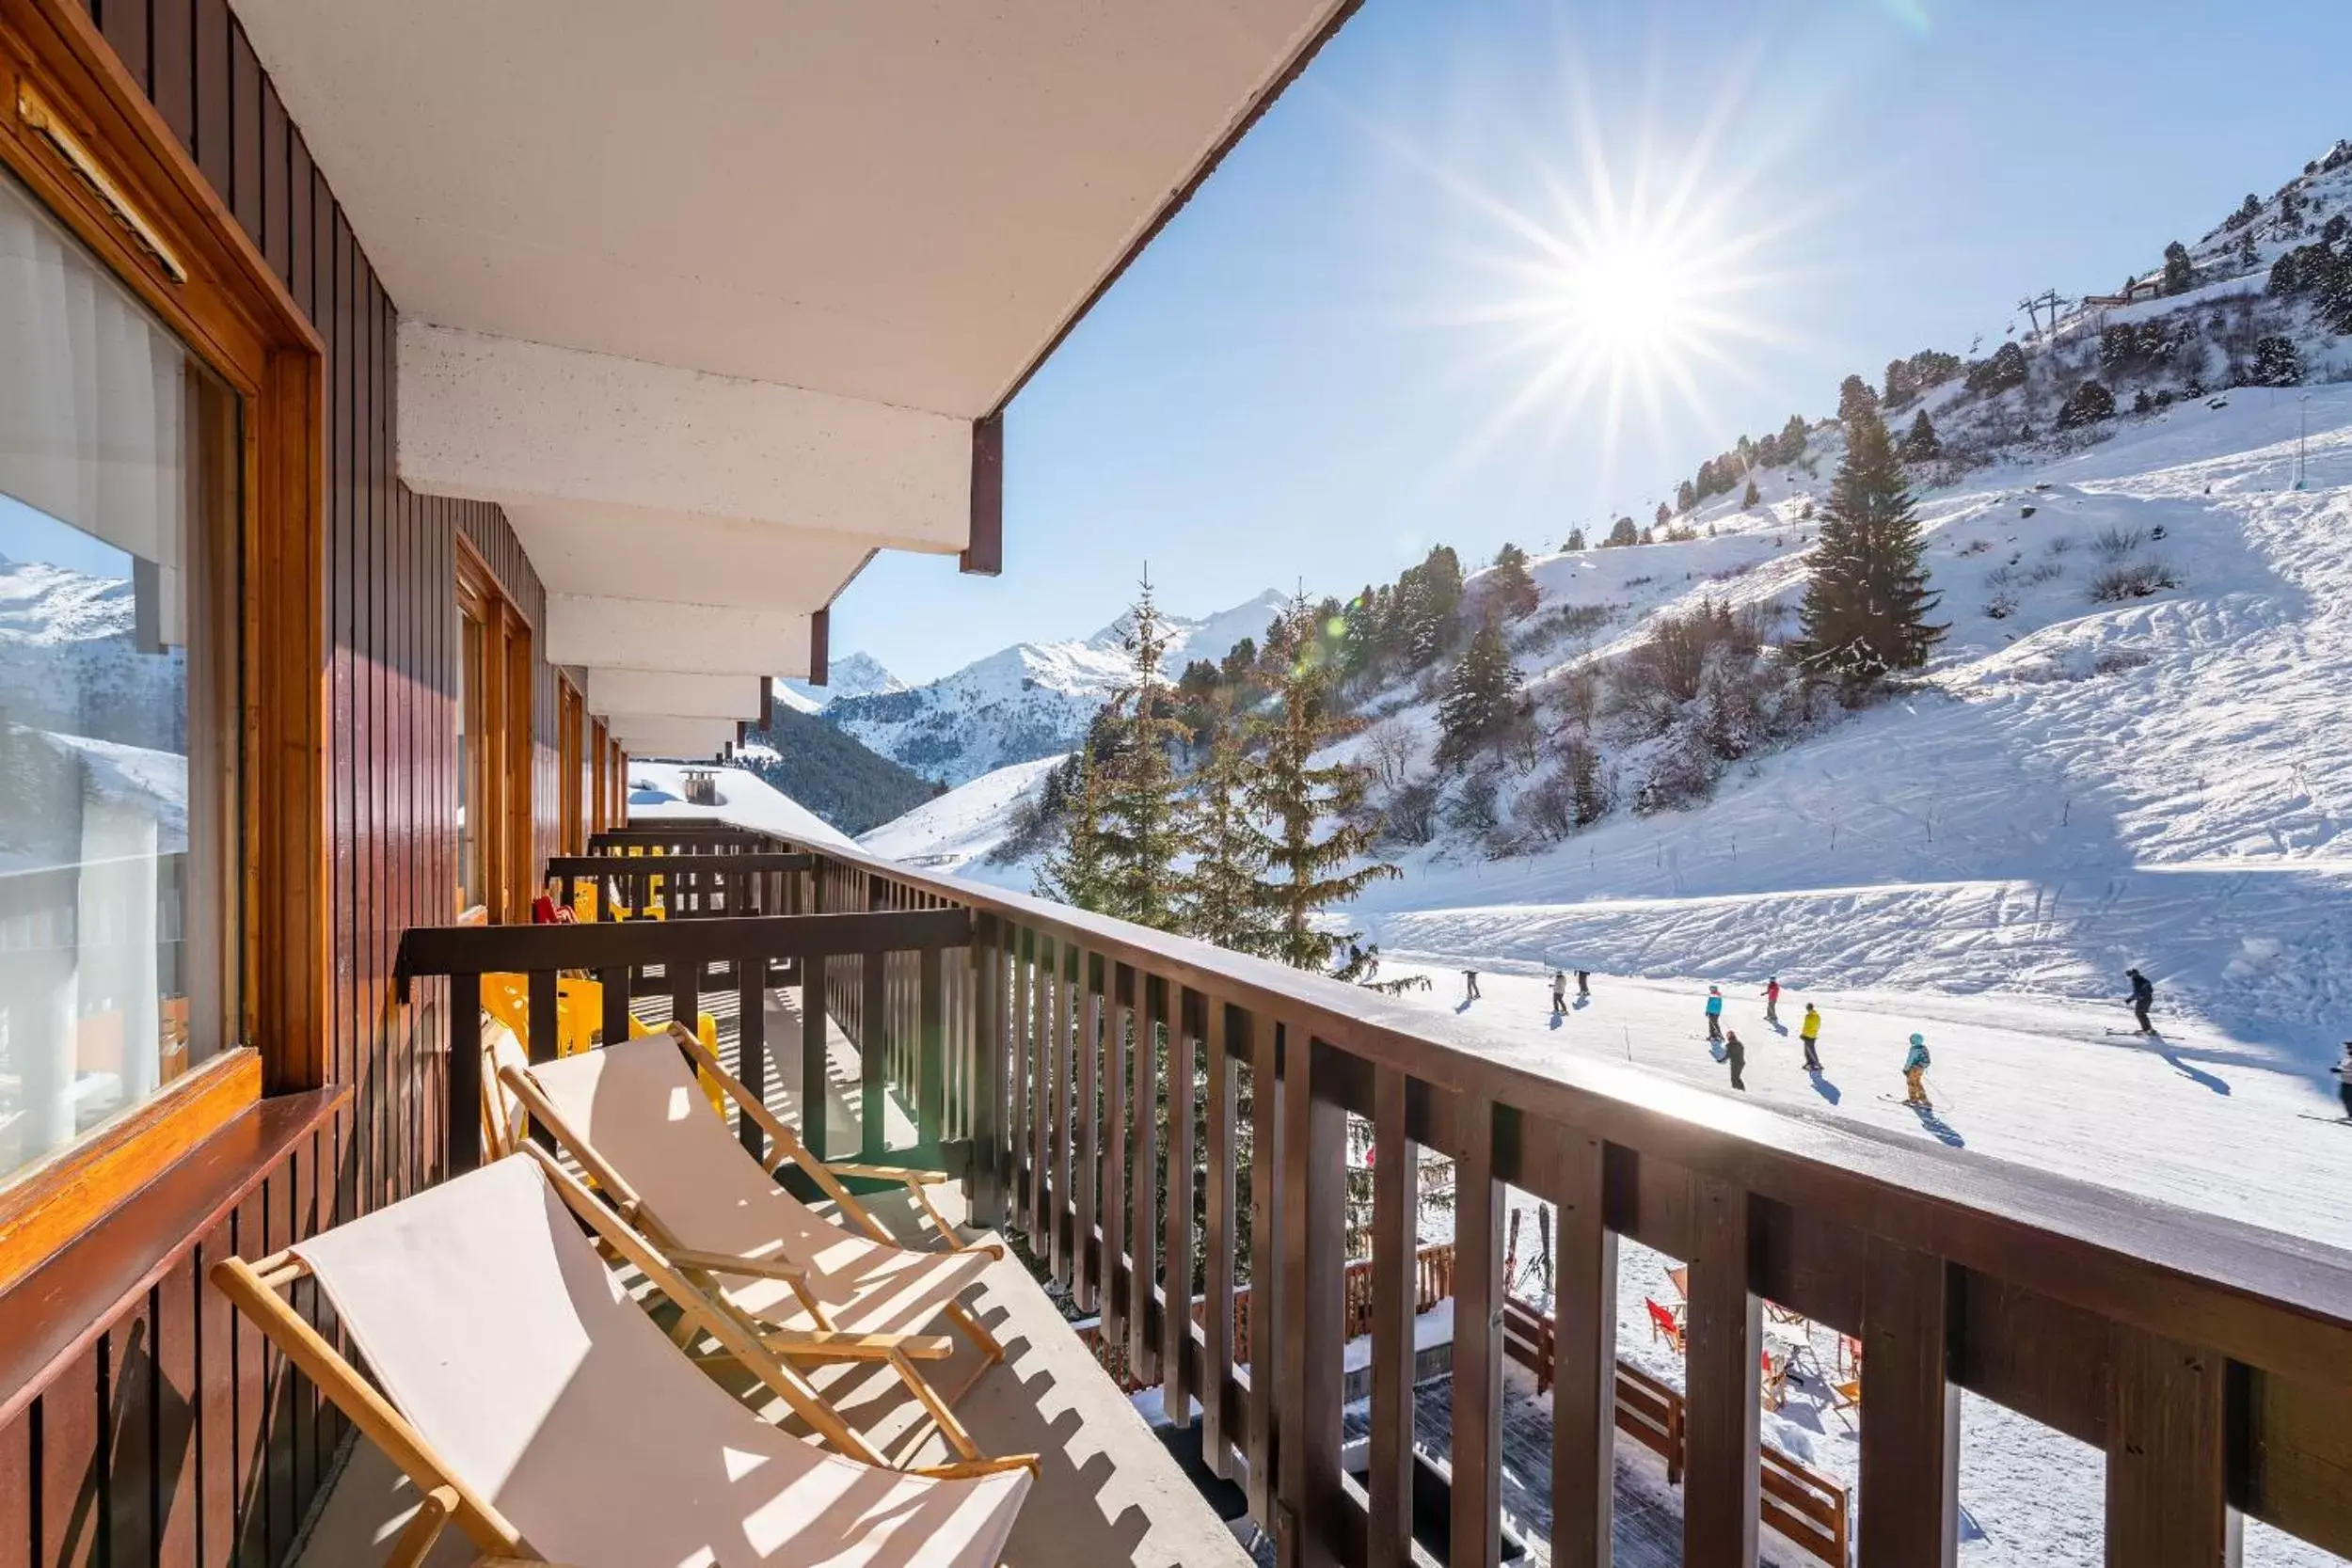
[[660, 735], [685, 638], [517, 422], [679, 696]]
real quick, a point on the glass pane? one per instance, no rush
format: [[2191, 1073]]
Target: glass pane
[[119, 673]]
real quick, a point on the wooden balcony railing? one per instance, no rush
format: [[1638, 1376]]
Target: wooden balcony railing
[[1161, 1119]]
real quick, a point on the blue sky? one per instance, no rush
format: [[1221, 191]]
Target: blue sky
[[1306, 377]]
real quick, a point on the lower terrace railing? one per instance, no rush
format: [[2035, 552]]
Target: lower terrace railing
[[1160, 1120]]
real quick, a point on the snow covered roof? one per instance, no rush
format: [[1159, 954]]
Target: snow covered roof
[[657, 791]]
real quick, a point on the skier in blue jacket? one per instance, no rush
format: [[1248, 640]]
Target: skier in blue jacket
[[1916, 1071], [1714, 1014]]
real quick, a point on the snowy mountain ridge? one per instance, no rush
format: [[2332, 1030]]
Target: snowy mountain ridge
[[1029, 701]]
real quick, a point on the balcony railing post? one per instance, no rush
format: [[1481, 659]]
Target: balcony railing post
[[1090, 1263], [1583, 1359], [1910, 1412], [987, 1112], [1721, 1349], [1176, 1244], [465, 1073], [1150, 1005], [1477, 1514], [816, 1080], [1216, 1320], [2168, 1454], [1309, 1329], [1264, 1239], [1395, 1297]]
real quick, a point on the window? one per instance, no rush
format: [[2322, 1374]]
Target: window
[[493, 747], [119, 682], [601, 811]]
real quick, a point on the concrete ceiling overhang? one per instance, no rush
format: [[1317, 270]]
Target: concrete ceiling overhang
[[664, 736], [750, 281]]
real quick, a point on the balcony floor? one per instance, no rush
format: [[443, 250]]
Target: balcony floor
[[1109, 1492]]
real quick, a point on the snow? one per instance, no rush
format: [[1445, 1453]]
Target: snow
[[859, 675], [1433, 1327], [958, 831], [657, 792], [1028, 701]]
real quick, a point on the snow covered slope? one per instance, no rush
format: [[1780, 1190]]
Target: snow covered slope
[[2076, 787], [1028, 701], [958, 831], [853, 676]]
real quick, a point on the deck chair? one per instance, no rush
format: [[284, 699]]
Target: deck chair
[[534, 1403], [1774, 1378], [627, 1113], [1664, 1325], [579, 1020]]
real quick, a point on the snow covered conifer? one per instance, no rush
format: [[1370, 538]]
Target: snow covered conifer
[[2087, 404], [2275, 362], [1855, 399], [1139, 829], [1921, 442], [1075, 873], [1318, 840], [1481, 695], [1513, 588], [2179, 276], [1219, 894], [1752, 497], [1866, 604]]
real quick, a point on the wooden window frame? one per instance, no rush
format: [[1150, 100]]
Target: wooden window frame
[[119, 179], [599, 784], [503, 793]]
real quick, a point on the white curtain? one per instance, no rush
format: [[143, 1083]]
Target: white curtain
[[93, 407]]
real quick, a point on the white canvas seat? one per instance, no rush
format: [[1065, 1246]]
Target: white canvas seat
[[535, 1393], [633, 1117]]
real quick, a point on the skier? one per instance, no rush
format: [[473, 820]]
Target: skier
[[1354, 956], [1771, 1000], [1470, 986], [1714, 1014], [2343, 1075], [1809, 1031], [1559, 992], [1915, 1072], [1371, 962], [1583, 984], [1737, 1054], [2143, 994]]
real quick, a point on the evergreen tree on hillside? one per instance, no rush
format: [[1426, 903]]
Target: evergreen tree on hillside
[[2179, 276], [2087, 404], [1622, 531], [1901, 386], [2275, 362], [1752, 496], [1576, 540], [1513, 586], [1319, 840], [1686, 497], [1481, 698], [1138, 827], [1921, 442], [1792, 436], [1855, 400], [1075, 873], [1866, 604], [1219, 894], [1664, 516]]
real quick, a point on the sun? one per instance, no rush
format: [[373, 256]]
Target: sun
[[1632, 301]]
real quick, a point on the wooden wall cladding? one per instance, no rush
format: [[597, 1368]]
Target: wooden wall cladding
[[179, 1438]]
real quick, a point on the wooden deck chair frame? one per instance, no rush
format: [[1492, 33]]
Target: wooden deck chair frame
[[701, 1269], [253, 1289]]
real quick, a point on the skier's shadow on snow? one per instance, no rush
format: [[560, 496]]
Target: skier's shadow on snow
[[2194, 1074], [1582, 1003], [1779, 1028], [1937, 1128], [1822, 1086], [1557, 1018]]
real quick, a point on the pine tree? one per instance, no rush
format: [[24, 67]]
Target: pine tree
[[1310, 874], [1592, 799], [1867, 602], [2179, 276], [1138, 823], [1076, 873], [1921, 442], [1855, 400], [1513, 587], [1220, 895], [1622, 531], [1664, 516], [1686, 495], [1752, 497], [1576, 540], [1481, 695]]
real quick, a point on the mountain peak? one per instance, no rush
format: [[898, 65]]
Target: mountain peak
[[858, 674]]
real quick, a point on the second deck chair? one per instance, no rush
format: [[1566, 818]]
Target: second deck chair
[[628, 1113], [533, 1401]]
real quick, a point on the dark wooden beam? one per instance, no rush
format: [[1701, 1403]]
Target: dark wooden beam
[[1395, 1221], [1478, 1289], [2168, 1454], [1585, 1362], [1910, 1412], [984, 555], [819, 647], [1720, 1349]]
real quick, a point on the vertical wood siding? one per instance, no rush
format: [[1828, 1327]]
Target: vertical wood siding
[[180, 1438]]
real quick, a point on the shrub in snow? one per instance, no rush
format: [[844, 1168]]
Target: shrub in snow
[[2001, 607], [2059, 543], [2085, 405], [1681, 774], [1477, 807], [2043, 571], [2134, 580], [1413, 810], [2114, 543], [1547, 807]]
